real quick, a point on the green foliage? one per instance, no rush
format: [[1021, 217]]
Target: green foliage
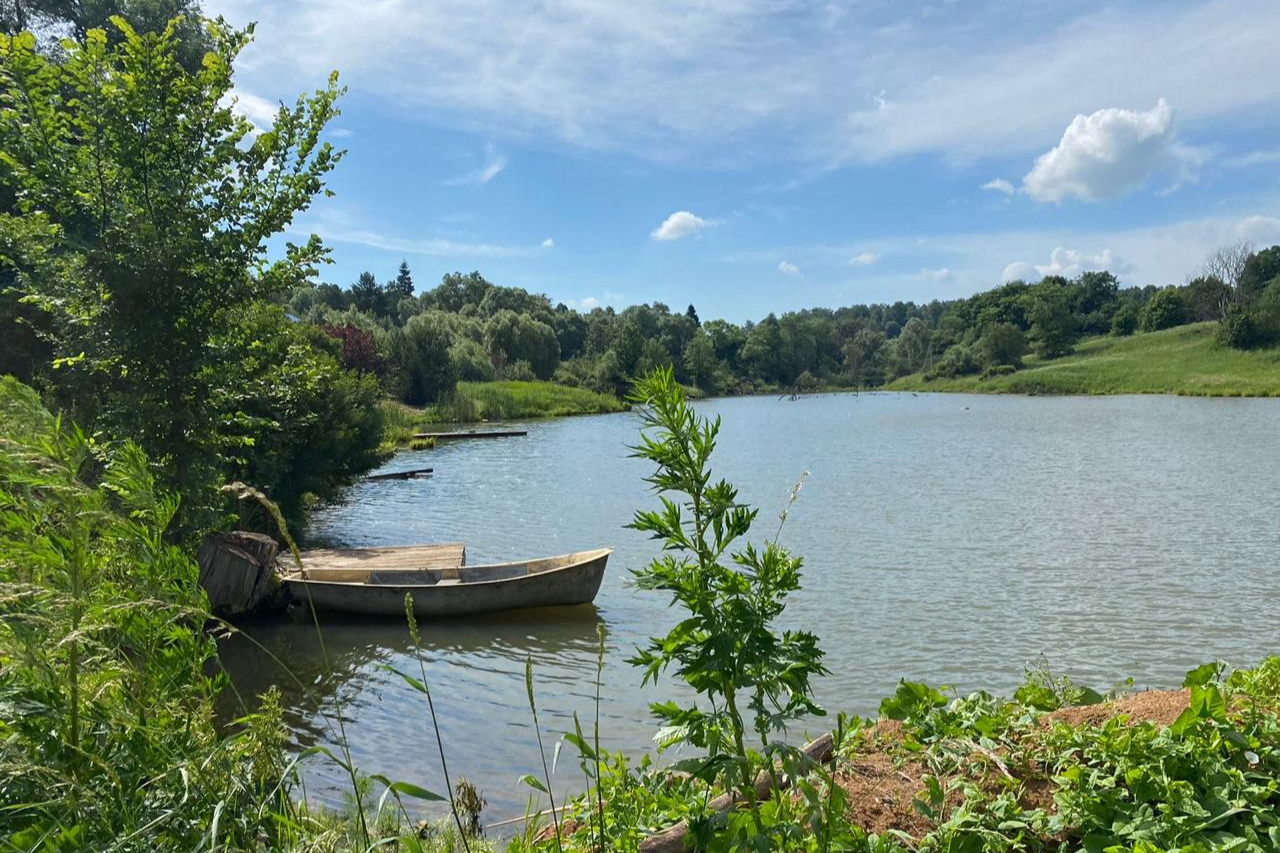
[[959, 360], [105, 711], [1253, 325], [1125, 321], [1168, 308], [726, 648], [1002, 343], [421, 349], [1053, 327], [143, 211]]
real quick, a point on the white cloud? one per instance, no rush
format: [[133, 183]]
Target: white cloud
[[936, 275], [341, 132], [864, 259], [588, 303], [680, 224], [1107, 154], [1000, 185], [1259, 230], [1065, 262], [494, 164], [877, 81], [789, 269], [548, 243]]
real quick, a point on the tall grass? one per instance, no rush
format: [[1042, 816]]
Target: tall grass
[[1184, 360]]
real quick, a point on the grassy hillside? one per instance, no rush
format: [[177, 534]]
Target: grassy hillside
[[1184, 360]]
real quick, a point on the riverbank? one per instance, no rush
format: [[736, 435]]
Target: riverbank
[[474, 402], [1183, 360], [1055, 766]]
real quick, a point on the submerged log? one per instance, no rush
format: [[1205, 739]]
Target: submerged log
[[401, 475], [672, 839], [237, 571], [456, 436]]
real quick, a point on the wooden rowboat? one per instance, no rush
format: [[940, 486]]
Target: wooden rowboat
[[453, 591]]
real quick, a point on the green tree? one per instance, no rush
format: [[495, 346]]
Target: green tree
[[512, 337], [912, 346], [367, 295], [1207, 298], [1053, 327], [1260, 269], [864, 357], [701, 365], [421, 350], [1002, 343], [78, 17], [1168, 308], [144, 210], [1125, 321]]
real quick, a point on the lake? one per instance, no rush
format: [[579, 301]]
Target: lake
[[951, 539]]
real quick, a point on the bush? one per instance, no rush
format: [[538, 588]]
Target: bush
[[1125, 322], [1168, 308], [1254, 325], [518, 371], [998, 370], [1002, 343], [959, 360]]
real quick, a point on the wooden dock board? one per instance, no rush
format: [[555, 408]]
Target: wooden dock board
[[455, 436], [440, 555], [401, 475]]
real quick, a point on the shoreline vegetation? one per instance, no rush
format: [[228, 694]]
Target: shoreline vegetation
[[480, 402]]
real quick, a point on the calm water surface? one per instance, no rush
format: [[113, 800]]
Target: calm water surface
[[947, 538]]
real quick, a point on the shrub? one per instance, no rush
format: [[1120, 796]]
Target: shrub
[[470, 362], [998, 370], [959, 360], [1125, 321], [1002, 343], [1166, 309], [1253, 325]]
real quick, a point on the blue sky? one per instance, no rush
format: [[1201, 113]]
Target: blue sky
[[751, 156]]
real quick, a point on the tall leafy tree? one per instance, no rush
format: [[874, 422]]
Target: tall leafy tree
[[144, 204], [367, 295]]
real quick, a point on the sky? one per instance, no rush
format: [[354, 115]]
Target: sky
[[756, 156]]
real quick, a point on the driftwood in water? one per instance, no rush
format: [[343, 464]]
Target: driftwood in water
[[454, 436], [237, 571], [672, 839], [402, 475]]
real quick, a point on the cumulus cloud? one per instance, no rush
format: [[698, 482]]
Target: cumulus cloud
[[936, 275], [1109, 153], [789, 269], [999, 185], [680, 224], [1065, 262], [864, 259], [494, 164], [548, 243], [588, 303]]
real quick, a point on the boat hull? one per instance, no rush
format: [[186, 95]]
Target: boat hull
[[568, 585]]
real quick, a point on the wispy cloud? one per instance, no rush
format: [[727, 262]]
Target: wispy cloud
[[494, 164], [789, 269], [864, 259], [1253, 158], [879, 80], [548, 243], [1000, 185]]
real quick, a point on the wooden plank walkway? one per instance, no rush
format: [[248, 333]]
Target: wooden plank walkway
[[440, 555], [455, 436]]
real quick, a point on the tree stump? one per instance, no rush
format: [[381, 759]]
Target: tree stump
[[238, 572]]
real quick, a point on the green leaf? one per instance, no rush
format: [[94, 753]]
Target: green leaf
[[533, 782]]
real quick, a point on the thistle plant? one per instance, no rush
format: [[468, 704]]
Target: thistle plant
[[727, 648]]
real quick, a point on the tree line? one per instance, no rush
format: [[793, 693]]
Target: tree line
[[470, 329]]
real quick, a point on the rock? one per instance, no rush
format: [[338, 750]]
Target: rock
[[237, 571]]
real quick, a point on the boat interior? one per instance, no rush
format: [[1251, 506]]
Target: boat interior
[[449, 576]]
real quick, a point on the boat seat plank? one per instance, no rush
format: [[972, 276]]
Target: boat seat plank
[[442, 555]]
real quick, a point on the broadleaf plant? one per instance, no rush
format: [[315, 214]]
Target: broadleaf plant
[[754, 676]]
